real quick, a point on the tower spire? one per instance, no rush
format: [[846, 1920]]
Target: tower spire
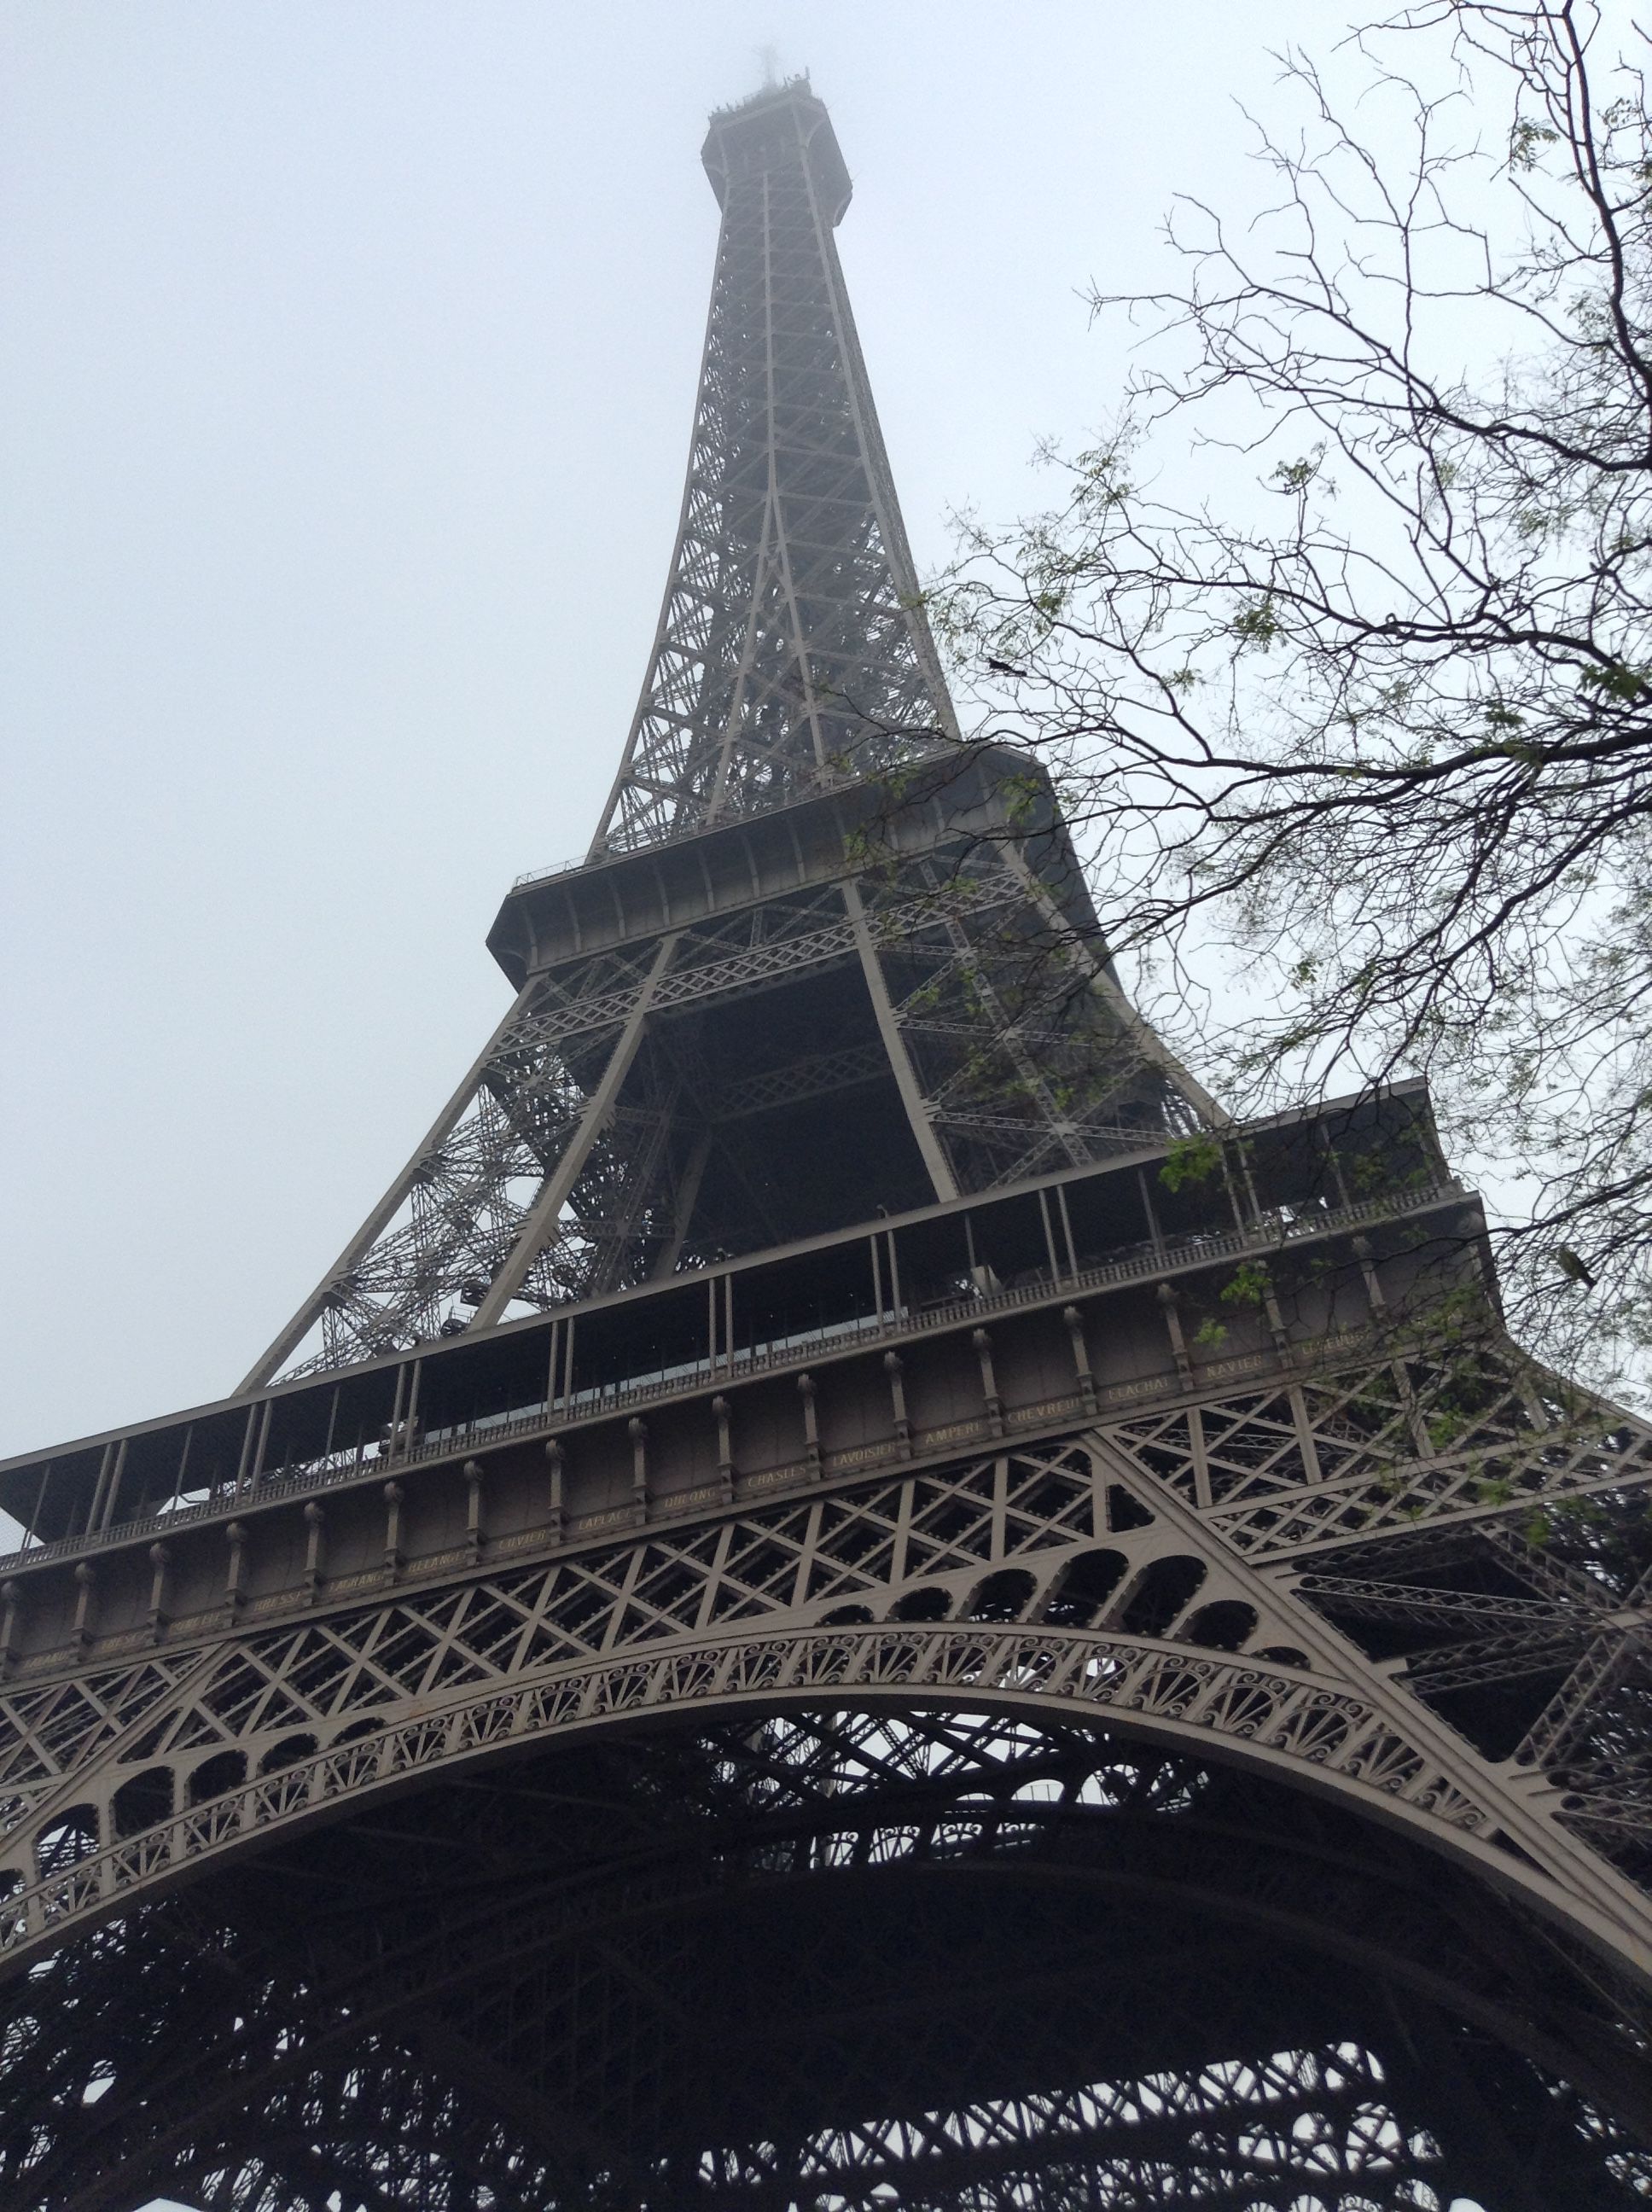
[[791, 646]]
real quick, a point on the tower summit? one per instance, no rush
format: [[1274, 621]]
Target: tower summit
[[845, 1595], [792, 645]]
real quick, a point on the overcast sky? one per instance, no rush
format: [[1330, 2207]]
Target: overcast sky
[[345, 382]]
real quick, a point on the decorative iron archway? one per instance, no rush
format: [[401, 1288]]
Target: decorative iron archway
[[856, 1954]]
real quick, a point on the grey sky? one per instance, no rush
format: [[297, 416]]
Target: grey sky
[[346, 381]]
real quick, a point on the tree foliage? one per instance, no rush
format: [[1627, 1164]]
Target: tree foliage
[[1358, 737]]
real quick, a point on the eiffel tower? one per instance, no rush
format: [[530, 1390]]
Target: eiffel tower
[[847, 1597]]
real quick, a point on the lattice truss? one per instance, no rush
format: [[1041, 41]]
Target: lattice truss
[[1474, 1524], [837, 1957], [1022, 1059], [423, 1262], [473, 1202], [792, 650], [791, 643], [1026, 1057]]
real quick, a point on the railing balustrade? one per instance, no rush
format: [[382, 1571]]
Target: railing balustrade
[[1271, 1233]]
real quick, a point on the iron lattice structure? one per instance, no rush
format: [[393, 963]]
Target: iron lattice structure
[[606, 1135], [845, 1598], [792, 647]]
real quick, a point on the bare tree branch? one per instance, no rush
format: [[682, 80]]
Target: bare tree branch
[[1359, 744]]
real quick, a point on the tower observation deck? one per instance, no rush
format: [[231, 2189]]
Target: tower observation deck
[[847, 1596]]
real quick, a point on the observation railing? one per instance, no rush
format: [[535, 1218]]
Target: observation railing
[[1271, 1232], [811, 780]]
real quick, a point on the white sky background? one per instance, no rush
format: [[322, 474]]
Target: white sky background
[[346, 386]]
